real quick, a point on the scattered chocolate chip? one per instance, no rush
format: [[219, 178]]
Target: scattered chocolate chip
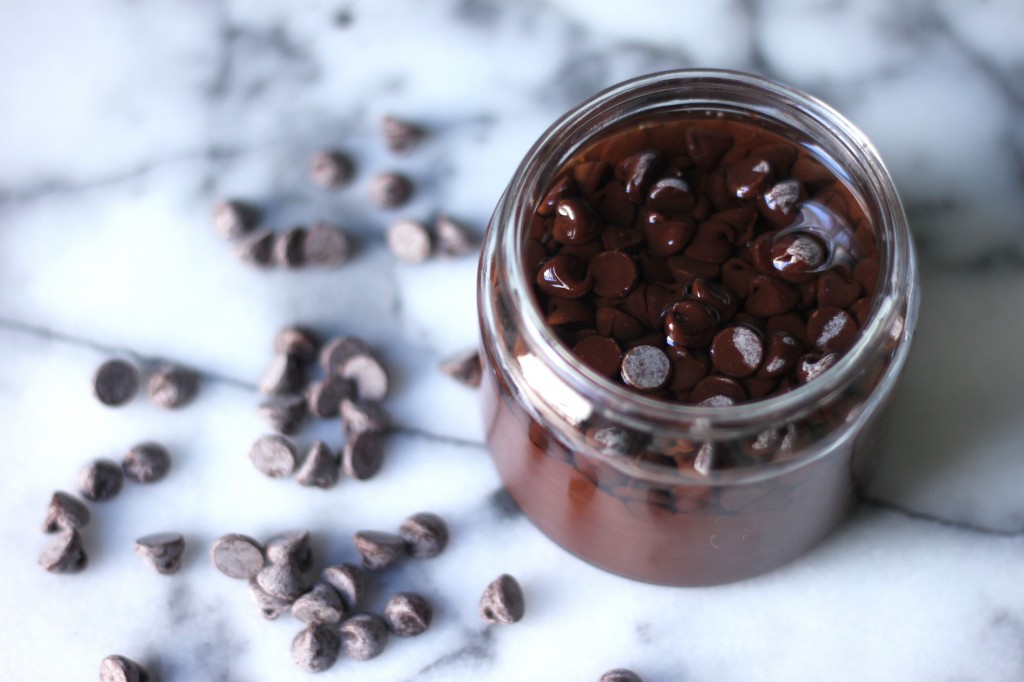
[[172, 387], [370, 377], [326, 246], [645, 368], [320, 468], [282, 580], [289, 249], [298, 342], [161, 551], [502, 601], [390, 190], [324, 397], [452, 238], [270, 606], [339, 350], [409, 241], [316, 648], [115, 383], [331, 169], [320, 605], [256, 249], [273, 455], [65, 553], [401, 136], [464, 367], [378, 549], [146, 462], [364, 636], [425, 535], [348, 581], [234, 219], [358, 416], [363, 455], [284, 413], [293, 547], [408, 614], [283, 376], [237, 556], [100, 480], [121, 669], [65, 512], [620, 675]]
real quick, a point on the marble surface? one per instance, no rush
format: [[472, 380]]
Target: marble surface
[[123, 122]]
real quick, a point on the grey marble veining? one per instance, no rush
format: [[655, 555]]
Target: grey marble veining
[[124, 122]]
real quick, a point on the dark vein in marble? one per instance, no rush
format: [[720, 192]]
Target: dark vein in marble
[[921, 516], [479, 649], [758, 56]]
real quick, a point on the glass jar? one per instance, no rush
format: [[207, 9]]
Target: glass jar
[[629, 482]]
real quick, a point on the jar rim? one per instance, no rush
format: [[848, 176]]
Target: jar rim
[[896, 254]]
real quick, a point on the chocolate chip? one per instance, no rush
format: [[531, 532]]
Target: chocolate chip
[[364, 636], [65, 553], [589, 175], [348, 581], [237, 556], [834, 289], [464, 367], [298, 342], [161, 551], [575, 223], [408, 614], [284, 376], [779, 202], [270, 606], [282, 580], [502, 601], [645, 368], [256, 249], [737, 351], [273, 455], [781, 355], [409, 241], [359, 416], [749, 177], [146, 462], [425, 535], [615, 274], [769, 296], [563, 187], [569, 313], [706, 147], [717, 386], [390, 190], [121, 669], [326, 246], [115, 383], [378, 549], [671, 194], [363, 455], [234, 219], [831, 330], [452, 238], [292, 547], [614, 323], [667, 237], [688, 367], [798, 252], [600, 353], [638, 171], [712, 242], [320, 468], [339, 350], [289, 247], [690, 324], [812, 365], [369, 376], [65, 512], [325, 397], [331, 169], [401, 136], [316, 648], [620, 675], [320, 605], [100, 480], [284, 413], [564, 276], [173, 387]]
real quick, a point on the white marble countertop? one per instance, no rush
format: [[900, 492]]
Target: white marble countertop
[[121, 123]]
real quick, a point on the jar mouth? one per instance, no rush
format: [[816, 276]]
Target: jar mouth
[[693, 91]]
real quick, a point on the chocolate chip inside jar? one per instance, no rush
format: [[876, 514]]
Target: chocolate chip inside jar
[[699, 237]]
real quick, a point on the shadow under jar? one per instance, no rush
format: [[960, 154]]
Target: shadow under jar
[[634, 229]]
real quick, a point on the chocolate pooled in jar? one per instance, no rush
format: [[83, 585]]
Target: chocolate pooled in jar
[[715, 243]]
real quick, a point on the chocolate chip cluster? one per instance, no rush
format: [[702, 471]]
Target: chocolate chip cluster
[[703, 261]]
